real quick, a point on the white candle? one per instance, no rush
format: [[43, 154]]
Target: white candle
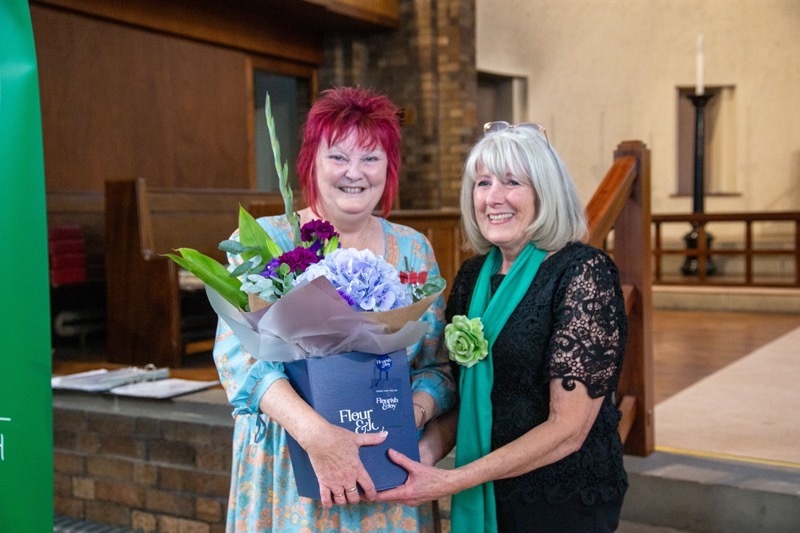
[[699, 89]]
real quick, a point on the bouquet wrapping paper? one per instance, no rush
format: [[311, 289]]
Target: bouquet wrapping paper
[[313, 320]]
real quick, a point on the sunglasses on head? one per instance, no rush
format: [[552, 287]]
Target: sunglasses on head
[[500, 125]]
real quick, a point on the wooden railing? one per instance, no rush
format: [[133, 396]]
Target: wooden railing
[[702, 254], [622, 202]]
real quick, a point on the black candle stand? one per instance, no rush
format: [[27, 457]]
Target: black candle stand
[[690, 266]]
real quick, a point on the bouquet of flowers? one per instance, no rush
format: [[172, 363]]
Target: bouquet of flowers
[[314, 299]]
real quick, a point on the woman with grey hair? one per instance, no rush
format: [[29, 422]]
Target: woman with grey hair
[[537, 327]]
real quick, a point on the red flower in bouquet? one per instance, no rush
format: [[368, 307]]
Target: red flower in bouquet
[[419, 284], [413, 278]]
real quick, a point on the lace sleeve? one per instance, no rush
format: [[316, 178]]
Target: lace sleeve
[[590, 328]]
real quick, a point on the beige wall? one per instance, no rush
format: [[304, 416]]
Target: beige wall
[[601, 71]]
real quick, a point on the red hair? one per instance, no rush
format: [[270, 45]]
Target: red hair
[[373, 117]]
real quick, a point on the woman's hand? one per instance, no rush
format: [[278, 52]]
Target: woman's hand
[[424, 483], [334, 455]]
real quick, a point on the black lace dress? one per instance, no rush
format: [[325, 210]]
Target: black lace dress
[[570, 325]]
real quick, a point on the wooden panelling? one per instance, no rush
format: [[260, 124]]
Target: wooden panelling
[[119, 101], [288, 29], [379, 12], [268, 28]]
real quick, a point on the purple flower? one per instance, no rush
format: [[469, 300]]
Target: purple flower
[[299, 259], [350, 301], [271, 270], [317, 230]]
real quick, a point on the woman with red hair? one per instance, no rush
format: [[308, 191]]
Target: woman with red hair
[[348, 165]]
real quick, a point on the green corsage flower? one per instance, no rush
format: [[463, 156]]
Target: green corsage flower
[[465, 341]]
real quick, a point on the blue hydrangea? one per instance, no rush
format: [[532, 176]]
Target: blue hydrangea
[[366, 279]]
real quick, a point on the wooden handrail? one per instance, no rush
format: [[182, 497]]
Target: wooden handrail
[[609, 198], [748, 251], [622, 203]]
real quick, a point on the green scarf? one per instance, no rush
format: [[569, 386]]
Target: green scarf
[[474, 509]]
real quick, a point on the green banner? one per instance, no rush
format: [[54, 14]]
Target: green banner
[[26, 407]]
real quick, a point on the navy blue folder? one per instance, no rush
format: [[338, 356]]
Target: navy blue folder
[[365, 393]]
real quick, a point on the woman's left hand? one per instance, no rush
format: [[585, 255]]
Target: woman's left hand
[[424, 483]]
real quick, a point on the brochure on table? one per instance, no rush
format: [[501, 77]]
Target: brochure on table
[[147, 382]]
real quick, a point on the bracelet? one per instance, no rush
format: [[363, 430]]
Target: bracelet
[[424, 415]]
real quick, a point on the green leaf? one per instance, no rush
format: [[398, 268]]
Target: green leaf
[[232, 247], [245, 268], [251, 234], [283, 174], [241, 269], [433, 285], [331, 245], [213, 274]]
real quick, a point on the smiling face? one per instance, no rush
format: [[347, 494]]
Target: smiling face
[[350, 178], [504, 209]]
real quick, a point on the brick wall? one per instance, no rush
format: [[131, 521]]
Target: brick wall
[[427, 66], [154, 466]]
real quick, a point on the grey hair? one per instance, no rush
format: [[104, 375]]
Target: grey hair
[[559, 216]]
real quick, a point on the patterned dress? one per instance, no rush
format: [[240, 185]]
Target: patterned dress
[[263, 494]]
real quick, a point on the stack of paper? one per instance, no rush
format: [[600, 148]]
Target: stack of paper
[[148, 382], [164, 388]]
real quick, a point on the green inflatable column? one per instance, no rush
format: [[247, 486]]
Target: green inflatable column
[[26, 407]]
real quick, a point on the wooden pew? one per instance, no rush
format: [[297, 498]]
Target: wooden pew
[[151, 317]]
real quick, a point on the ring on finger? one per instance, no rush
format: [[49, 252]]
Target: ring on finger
[[338, 495], [353, 489]]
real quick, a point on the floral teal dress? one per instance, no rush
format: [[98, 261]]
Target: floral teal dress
[[263, 494]]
